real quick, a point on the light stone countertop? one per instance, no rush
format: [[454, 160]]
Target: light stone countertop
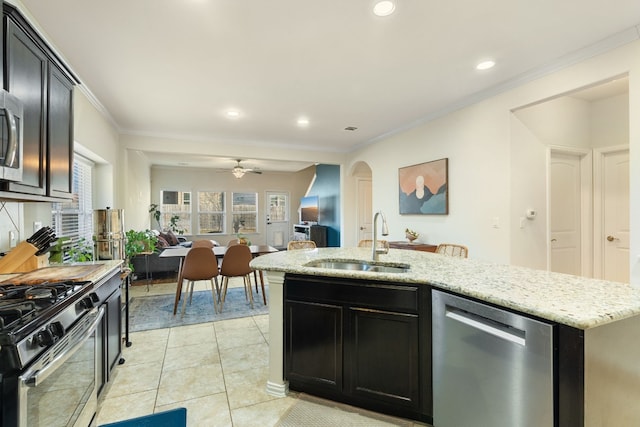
[[108, 266], [571, 300]]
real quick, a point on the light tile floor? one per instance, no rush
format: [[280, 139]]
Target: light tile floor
[[217, 370]]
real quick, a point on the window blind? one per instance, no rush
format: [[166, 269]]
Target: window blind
[[74, 219]]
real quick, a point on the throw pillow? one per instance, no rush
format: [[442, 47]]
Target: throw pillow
[[171, 238], [162, 243]]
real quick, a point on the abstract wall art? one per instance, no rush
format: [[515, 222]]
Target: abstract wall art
[[424, 188]]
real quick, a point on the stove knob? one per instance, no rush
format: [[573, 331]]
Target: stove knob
[[56, 329], [86, 303], [45, 338]]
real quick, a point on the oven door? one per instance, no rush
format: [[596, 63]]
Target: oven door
[[60, 388]]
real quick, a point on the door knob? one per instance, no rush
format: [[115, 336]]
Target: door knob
[[554, 240], [361, 228], [611, 238]]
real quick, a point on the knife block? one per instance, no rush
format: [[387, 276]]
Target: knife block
[[34, 262], [18, 256]]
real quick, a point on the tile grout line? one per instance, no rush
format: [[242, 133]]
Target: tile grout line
[[224, 378]]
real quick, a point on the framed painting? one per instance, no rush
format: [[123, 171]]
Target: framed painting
[[424, 188]]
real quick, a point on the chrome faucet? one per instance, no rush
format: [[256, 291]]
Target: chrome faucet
[[385, 232]]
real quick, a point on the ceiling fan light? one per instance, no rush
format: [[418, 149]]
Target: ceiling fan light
[[238, 172]]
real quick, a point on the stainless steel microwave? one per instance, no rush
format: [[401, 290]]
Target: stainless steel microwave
[[11, 150]]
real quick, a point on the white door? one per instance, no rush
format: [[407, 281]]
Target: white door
[[277, 224], [615, 209], [565, 213], [365, 211]]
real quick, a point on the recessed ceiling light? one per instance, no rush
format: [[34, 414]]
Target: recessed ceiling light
[[485, 65], [302, 121], [233, 114], [384, 8]]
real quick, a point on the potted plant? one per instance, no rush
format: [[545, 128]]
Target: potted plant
[[173, 225], [154, 210], [139, 242]]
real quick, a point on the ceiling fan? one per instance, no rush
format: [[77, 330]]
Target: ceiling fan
[[238, 171]]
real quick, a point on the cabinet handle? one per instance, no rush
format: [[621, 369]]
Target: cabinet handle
[[12, 149]]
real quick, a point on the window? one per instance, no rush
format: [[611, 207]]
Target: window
[[211, 212], [175, 211], [73, 220], [244, 212], [278, 209]]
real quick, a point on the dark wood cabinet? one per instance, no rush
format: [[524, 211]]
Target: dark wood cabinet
[[114, 329], [109, 296], [314, 359], [40, 80], [382, 361], [59, 134], [318, 233], [360, 342]]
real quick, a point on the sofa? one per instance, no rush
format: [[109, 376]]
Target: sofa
[[159, 267]]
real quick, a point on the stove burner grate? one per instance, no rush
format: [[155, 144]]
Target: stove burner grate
[[13, 314], [19, 304]]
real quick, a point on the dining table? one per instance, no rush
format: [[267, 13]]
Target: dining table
[[219, 251]]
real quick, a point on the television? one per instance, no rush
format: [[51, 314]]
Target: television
[[309, 208]]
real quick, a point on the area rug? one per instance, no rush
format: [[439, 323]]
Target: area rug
[[310, 411], [156, 312]]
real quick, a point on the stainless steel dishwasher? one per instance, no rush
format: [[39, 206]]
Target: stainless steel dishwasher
[[490, 367]]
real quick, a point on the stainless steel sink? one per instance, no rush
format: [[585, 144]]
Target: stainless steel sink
[[355, 265]]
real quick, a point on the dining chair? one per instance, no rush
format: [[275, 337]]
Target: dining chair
[[199, 264], [451, 249], [301, 244], [202, 244], [367, 243], [235, 263]]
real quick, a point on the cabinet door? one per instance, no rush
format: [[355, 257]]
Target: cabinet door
[[114, 330], [27, 79], [313, 345], [59, 134], [382, 358]]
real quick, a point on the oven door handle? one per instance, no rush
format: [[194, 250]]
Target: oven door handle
[[34, 378]]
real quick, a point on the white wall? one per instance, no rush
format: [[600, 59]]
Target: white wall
[[136, 180], [97, 139], [609, 121], [560, 121], [477, 141]]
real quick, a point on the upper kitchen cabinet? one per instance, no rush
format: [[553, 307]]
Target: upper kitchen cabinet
[[44, 85]]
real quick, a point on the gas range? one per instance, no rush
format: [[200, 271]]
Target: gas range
[[34, 317]]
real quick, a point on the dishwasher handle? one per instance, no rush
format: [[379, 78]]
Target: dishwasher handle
[[488, 326]]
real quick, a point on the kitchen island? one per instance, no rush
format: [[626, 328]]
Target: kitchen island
[[595, 322]]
